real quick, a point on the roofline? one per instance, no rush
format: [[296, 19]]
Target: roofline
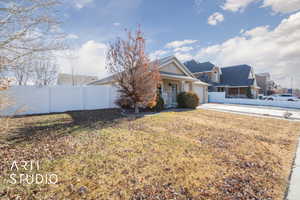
[[168, 61], [183, 67], [237, 66], [202, 83], [219, 69], [231, 86], [178, 77]]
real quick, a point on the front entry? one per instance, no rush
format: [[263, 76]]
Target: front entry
[[173, 94]]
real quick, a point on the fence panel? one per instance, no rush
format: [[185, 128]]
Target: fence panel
[[35, 100], [219, 97], [64, 98], [28, 100], [96, 97]]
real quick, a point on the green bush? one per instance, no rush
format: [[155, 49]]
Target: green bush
[[187, 100], [159, 104]]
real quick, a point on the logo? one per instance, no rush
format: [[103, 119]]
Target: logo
[[26, 172]]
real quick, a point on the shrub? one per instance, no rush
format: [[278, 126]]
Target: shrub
[[159, 104], [124, 103], [187, 100]]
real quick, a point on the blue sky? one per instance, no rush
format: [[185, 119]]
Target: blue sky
[[225, 32]]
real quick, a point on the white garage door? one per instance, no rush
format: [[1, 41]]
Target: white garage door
[[199, 90]]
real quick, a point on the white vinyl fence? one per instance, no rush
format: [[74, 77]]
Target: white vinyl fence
[[219, 97], [34, 100]]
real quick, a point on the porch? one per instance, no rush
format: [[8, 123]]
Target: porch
[[238, 92], [170, 88]]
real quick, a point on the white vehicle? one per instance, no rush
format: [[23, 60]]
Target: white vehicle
[[282, 97], [262, 97]]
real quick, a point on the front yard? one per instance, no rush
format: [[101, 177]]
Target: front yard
[[196, 154]]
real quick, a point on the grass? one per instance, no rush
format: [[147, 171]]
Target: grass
[[196, 154]]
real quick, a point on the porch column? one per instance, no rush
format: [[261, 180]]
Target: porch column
[[226, 91], [162, 87], [239, 92], [182, 86]]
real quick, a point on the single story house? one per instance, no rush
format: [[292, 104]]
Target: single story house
[[70, 79], [175, 78], [236, 81]]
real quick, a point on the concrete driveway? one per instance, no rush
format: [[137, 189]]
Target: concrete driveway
[[276, 112]]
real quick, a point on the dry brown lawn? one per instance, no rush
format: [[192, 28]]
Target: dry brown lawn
[[196, 154]]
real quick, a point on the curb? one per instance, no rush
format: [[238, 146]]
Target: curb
[[288, 187]]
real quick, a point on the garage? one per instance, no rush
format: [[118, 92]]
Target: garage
[[202, 92]]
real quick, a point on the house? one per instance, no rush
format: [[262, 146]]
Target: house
[[236, 81], [267, 86], [175, 78], [70, 79]]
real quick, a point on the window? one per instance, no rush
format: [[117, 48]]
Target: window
[[220, 89]]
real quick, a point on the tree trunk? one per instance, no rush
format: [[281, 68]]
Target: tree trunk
[[136, 108]]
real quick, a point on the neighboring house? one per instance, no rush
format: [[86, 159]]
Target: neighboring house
[[236, 81], [265, 83], [69, 79], [175, 78]]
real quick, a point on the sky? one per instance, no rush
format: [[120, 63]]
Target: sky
[[262, 33]]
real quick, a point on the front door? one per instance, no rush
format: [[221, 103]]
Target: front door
[[174, 94]]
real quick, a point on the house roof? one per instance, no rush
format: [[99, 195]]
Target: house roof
[[164, 61], [181, 77], [69, 79], [236, 75], [161, 62], [195, 66]]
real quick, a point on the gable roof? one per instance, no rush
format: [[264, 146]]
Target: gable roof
[[195, 66], [167, 60], [161, 62], [236, 75]]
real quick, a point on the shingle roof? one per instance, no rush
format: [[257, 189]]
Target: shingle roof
[[232, 76], [195, 66], [236, 75]]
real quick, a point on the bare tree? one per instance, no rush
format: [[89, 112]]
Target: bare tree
[[5, 101], [27, 27], [45, 72], [137, 78], [23, 72]]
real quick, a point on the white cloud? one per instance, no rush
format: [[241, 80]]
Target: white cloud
[[267, 50], [176, 44], [82, 3], [278, 6], [215, 18], [72, 36], [157, 54], [183, 56], [183, 49], [89, 59], [236, 5], [283, 6], [116, 24]]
